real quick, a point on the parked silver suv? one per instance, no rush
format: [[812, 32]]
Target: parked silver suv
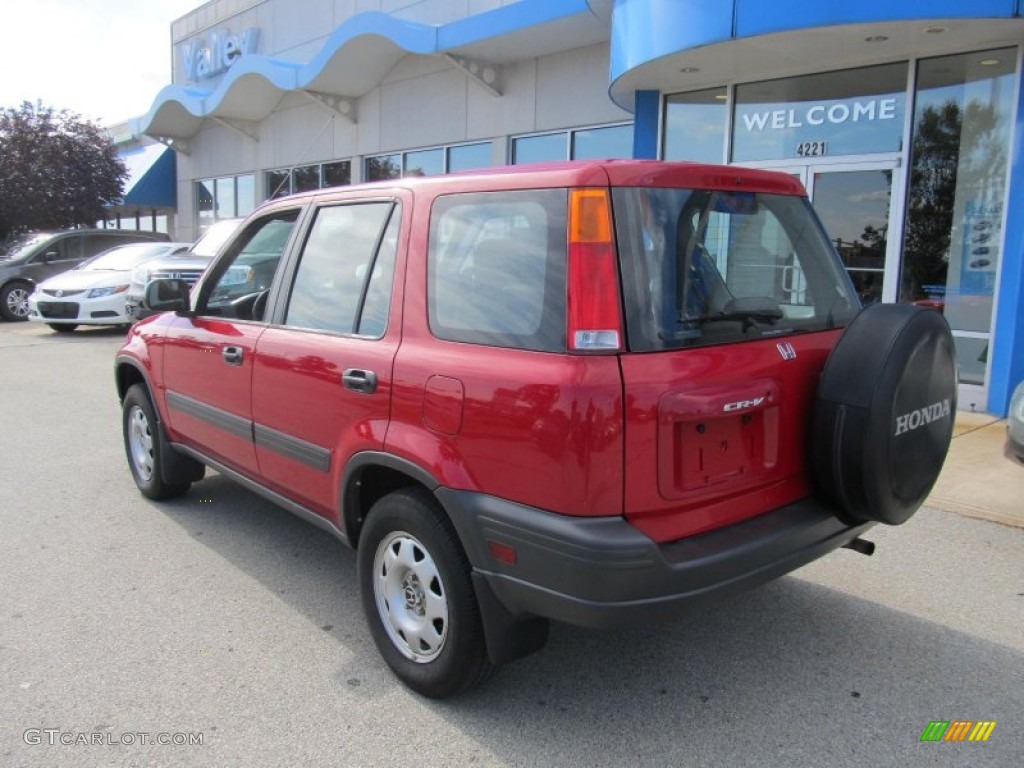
[[186, 266]]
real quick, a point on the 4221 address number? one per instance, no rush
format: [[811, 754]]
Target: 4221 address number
[[812, 149]]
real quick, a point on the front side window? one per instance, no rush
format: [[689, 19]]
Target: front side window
[[707, 267], [496, 269], [242, 279], [343, 282]]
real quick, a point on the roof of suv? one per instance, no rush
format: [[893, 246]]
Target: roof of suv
[[616, 173]]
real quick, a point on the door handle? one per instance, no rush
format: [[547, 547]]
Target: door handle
[[233, 355], [359, 380]]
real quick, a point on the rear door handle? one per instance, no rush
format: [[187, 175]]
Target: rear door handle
[[359, 380], [233, 355]]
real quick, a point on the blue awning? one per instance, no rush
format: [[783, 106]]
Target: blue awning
[[152, 178]]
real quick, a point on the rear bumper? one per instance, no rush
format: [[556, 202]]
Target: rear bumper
[[598, 572]]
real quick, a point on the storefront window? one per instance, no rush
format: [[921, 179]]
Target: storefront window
[[279, 183], [695, 126], [382, 167], [245, 189], [853, 112], [597, 143], [429, 162], [305, 178], [337, 174], [204, 204], [959, 153], [581, 144], [465, 157], [224, 198], [547, 148], [424, 162]]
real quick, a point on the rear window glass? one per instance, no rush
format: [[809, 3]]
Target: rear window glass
[[496, 269], [704, 267]]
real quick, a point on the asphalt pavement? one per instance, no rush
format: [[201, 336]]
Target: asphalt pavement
[[221, 618]]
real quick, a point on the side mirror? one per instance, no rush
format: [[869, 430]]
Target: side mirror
[[168, 296], [50, 256]]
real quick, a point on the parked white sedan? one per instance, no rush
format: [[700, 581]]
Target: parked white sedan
[[93, 293]]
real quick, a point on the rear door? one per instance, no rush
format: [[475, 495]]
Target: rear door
[[208, 359], [733, 301], [322, 379]]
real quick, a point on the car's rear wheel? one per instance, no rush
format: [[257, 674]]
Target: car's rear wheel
[[418, 596], [14, 301], [143, 446], [63, 327]]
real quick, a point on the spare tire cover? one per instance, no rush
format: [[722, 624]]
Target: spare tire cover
[[884, 413]]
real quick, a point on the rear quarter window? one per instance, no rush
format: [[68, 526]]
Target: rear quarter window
[[496, 269]]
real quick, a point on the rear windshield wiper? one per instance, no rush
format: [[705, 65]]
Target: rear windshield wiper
[[748, 312]]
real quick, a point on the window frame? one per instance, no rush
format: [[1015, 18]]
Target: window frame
[[570, 139], [551, 334], [394, 214], [231, 252]]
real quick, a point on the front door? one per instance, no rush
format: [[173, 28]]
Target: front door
[[208, 359], [855, 203]]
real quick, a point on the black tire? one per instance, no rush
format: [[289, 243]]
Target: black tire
[[14, 300], [143, 446], [884, 413], [63, 327], [418, 597]]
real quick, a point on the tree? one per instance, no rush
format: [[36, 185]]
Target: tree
[[954, 148], [56, 169]]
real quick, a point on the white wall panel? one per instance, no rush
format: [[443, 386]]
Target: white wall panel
[[572, 89], [423, 111], [513, 112]]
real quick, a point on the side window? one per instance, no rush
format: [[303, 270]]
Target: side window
[[343, 281], [97, 243], [243, 278], [64, 249], [496, 269]]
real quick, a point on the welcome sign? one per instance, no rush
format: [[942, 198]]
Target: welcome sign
[[850, 126], [835, 113]]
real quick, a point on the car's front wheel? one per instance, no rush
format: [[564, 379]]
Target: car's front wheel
[[143, 447], [418, 596], [14, 301]]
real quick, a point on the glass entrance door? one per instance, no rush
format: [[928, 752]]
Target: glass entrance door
[[856, 205]]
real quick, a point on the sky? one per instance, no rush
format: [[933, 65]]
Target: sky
[[104, 59]]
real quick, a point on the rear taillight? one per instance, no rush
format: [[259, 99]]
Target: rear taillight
[[594, 316]]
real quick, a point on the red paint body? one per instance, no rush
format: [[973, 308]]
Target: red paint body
[[640, 435]]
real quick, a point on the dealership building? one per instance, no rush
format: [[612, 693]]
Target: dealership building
[[902, 119]]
